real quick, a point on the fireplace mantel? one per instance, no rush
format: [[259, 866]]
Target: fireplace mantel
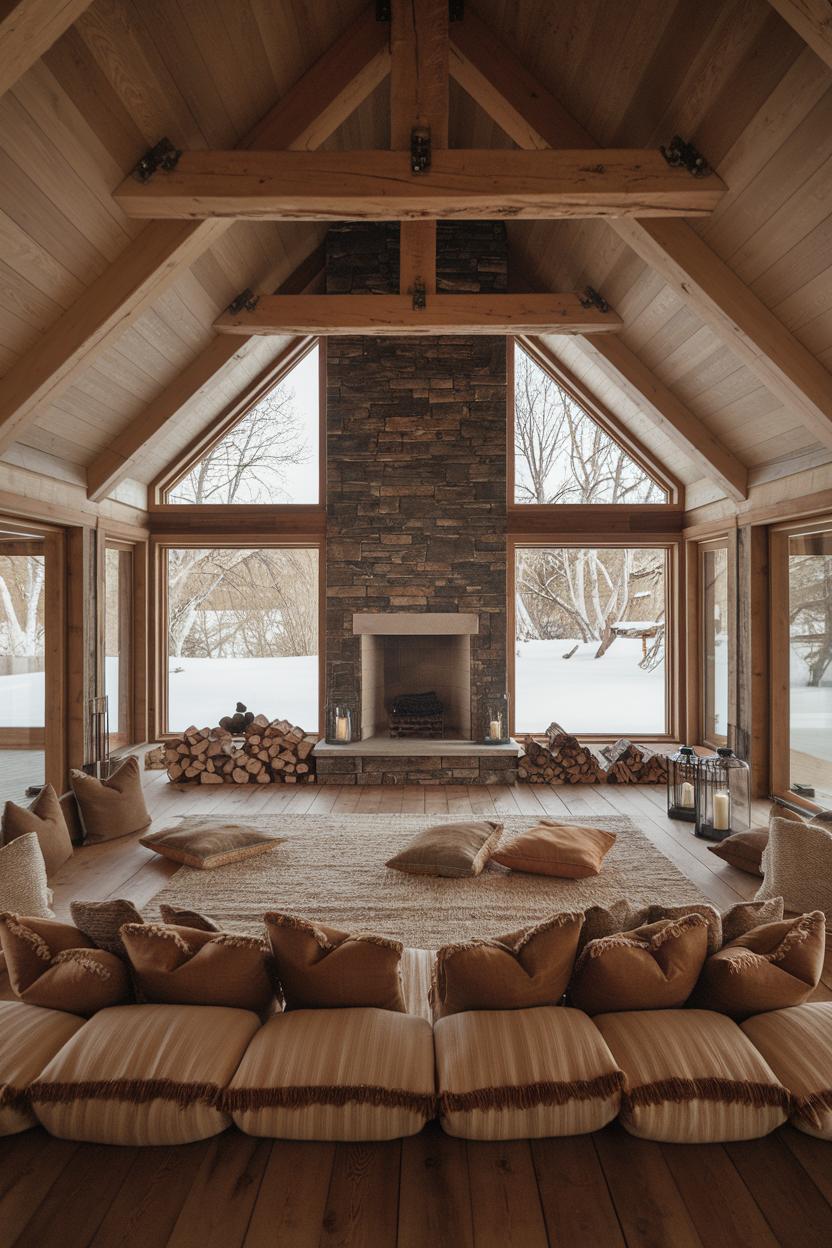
[[415, 623]]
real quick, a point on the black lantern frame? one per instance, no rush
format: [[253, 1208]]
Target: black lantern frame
[[682, 770], [340, 723], [723, 796]]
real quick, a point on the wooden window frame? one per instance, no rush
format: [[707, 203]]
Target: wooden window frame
[[727, 542]]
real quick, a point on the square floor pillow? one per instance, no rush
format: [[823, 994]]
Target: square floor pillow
[[23, 885], [29, 1038], [797, 866], [571, 851], [744, 850], [323, 968], [144, 1075], [771, 967], [797, 1044], [186, 966], [44, 817], [206, 844], [452, 850], [692, 1077], [113, 807], [654, 967], [55, 966], [514, 972]]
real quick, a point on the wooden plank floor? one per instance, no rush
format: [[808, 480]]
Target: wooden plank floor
[[431, 1191]]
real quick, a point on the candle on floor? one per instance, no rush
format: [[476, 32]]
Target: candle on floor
[[494, 730], [722, 812], [342, 728], [686, 795]]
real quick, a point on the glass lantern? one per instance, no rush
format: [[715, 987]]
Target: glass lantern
[[339, 723], [496, 720], [723, 796], [682, 768]]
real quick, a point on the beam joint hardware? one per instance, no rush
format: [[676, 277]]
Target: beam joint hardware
[[591, 299], [420, 149], [246, 301], [682, 155], [163, 155]]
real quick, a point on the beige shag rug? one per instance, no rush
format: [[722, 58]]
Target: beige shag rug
[[330, 868]]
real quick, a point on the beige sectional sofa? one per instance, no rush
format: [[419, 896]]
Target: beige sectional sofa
[[163, 1074]]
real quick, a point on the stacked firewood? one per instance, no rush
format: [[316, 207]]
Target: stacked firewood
[[270, 752], [561, 759], [629, 763]]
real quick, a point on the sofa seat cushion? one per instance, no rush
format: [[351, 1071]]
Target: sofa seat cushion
[[343, 1074], [144, 1074], [513, 1074], [797, 1044], [29, 1038], [692, 1077]]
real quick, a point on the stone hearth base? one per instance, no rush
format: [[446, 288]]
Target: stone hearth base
[[380, 760]]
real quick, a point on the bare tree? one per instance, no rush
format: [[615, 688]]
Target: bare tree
[[21, 592], [810, 612]]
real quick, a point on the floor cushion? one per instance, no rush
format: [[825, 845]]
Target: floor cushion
[[571, 851], [45, 817], [345, 1074], [323, 968], [518, 1074], [206, 844], [797, 1044], [113, 807], [654, 967], [29, 1038], [186, 966], [797, 866], [23, 885], [692, 1077], [144, 1074], [453, 850]]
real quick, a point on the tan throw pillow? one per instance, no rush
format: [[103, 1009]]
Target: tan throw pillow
[[571, 851], [452, 850], [113, 807], [514, 972], [709, 913], [183, 966], [45, 818], [743, 850], [23, 885], [653, 968], [55, 966], [621, 916], [188, 918], [322, 968], [770, 968], [797, 866], [102, 921], [746, 915], [205, 844]]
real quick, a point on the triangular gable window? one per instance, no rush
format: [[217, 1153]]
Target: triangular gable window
[[271, 454], [562, 455]]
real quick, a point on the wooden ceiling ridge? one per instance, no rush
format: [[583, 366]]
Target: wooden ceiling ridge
[[325, 96], [812, 19], [28, 28], [499, 83]]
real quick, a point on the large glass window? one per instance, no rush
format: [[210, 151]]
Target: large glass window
[[715, 642], [810, 664], [561, 454], [22, 668], [242, 626], [590, 641], [118, 642], [271, 455]]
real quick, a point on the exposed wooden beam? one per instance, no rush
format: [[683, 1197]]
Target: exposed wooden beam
[[28, 28], [418, 98], [380, 186], [395, 314], [116, 461], [308, 113], [812, 19], [530, 115]]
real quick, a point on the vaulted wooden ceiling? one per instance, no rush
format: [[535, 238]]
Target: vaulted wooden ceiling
[[731, 75]]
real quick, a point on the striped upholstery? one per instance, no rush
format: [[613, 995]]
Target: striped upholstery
[[29, 1038], [692, 1077], [346, 1074], [144, 1074], [797, 1044], [512, 1074]]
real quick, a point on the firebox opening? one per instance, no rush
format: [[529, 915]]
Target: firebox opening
[[397, 667]]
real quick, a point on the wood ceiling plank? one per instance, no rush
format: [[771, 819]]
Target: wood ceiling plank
[[533, 118], [149, 264], [28, 28], [812, 20]]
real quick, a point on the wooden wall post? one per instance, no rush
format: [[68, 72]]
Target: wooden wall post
[[83, 642], [750, 732]]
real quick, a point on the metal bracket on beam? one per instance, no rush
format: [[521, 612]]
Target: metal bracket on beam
[[383, 13], [420, 298], [591, 299], [682, 155], [163, 156], [420, 149], [456, 10], [246, 301]]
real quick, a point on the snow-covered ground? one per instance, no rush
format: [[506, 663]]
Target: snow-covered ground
[[811, 711], [21, 700], [206, 689]]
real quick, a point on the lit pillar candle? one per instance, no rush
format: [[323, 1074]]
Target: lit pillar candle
[[686, 795], [722, 812], [342, 728], [494, 730]]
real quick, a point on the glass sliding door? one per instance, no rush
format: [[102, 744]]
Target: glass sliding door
[[715, 605], [118, 642]]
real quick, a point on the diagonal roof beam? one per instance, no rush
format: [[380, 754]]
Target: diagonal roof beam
[[323, 98], [28, 29], [812, 19], [522, 107], [117, 461]]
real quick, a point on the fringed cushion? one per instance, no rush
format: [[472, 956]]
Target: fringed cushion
[[512, 972], [746, 915], [188, 918], [206, 844], [570, 851], [692, 1077], [45, 818], [144, 1074], [349, 1074], [185, 966], [53, 965], [113, 807], [620, 916], [709, 913], [322, 968], [453, 850], [770, 968], [29, 1038], [507, 1075], [654, 967], [797, 1044]]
